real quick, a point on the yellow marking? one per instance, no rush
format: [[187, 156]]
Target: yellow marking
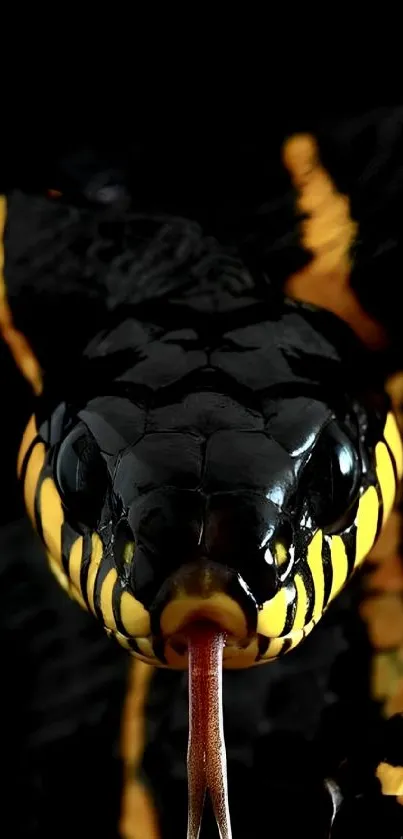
[[134, 616], [106, 599], [386, 478], [52, 518], [315, 563], [302, 603], [33, 471], [75, 562], [393, 438], [29, 435], [96, 557], [366, 521], [17, 343], [339, 565], [217, 607], [272, 617]]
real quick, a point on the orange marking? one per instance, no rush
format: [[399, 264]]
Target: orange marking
[[328, 232], [16, 341], [138, 817]]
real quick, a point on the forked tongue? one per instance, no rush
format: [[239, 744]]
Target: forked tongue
[[207, 763]]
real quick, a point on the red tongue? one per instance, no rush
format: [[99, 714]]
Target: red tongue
[[207, 764]]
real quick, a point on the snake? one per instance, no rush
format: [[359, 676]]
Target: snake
[[212, 476]]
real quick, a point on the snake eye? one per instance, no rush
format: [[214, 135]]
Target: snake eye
[[334, 480], [81, 475]]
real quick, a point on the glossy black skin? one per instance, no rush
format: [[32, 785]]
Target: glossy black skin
[[210, 436]]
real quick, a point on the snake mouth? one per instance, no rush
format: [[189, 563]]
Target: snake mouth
[[199, 592], [237, 653]]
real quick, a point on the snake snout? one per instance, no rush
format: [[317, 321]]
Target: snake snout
[[204, 590]]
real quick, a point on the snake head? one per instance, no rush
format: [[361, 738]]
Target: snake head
[[256, 525]]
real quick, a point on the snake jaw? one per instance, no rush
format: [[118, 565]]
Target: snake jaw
[[207, 764]]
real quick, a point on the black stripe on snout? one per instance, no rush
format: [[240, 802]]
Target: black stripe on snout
[[393, 461], [100, 577], [291, 607], [85, 564], [116, 607], [27, 457], [37, 505], [327, 569], [308, 580], [349, 538], [69, 536], [380, 510]]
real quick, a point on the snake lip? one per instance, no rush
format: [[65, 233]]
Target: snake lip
[[172, 651]]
